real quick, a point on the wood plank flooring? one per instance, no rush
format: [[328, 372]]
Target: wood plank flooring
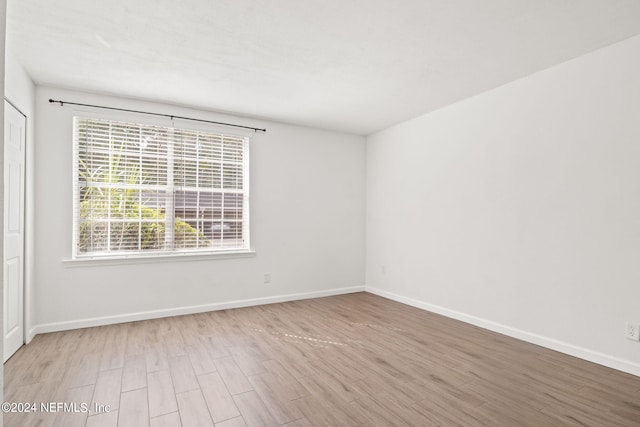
[[350, 360]]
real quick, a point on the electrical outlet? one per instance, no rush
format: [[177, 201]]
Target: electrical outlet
[[267, 277], [632, 331]]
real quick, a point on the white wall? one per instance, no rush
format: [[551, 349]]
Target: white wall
[[307, 205], [519, 209], [20, 91]]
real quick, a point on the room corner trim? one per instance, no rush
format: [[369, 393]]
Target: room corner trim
[[178, 311], [563, 347]]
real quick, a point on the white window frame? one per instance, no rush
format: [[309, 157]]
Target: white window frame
[[164, 254]]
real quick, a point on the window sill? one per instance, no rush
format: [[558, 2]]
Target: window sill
[[156, 258]]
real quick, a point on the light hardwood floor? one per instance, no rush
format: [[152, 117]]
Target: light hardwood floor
[[347, 360]]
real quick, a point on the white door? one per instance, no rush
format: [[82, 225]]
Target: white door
[[13, 280]]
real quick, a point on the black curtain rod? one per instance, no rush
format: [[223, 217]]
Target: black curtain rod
[[158, 114]]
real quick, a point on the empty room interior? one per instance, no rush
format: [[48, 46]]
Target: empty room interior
[[321, 213]]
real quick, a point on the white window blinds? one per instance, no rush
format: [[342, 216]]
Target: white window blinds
[[142, 189]]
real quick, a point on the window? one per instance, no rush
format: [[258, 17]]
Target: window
[[143, 190]]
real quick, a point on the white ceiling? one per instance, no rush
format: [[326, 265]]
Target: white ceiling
[[352, 65]]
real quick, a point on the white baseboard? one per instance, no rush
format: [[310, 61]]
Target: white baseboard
[[178, 311], [570, 349], [31, 332]]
